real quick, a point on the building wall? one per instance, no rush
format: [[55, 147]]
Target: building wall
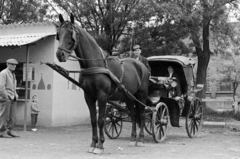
[[60, 103], [42, 86], [69, 106], [36, 54]]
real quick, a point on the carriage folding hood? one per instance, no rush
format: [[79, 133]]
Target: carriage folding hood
[[185, 63]]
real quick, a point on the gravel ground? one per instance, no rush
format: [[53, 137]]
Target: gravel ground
[[72, 142]]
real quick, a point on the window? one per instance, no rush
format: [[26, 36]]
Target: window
[[20, 83]]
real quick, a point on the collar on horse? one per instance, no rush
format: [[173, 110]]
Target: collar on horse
[[99, 70]]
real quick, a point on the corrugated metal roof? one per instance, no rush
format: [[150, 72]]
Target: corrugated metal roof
[[33, 24], [22, 39], [26, 33]]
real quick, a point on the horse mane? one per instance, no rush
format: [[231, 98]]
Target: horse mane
[[89, 36]]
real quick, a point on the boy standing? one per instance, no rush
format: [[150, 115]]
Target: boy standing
[[34, 112]]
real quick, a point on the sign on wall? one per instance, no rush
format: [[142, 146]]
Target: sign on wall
[[31, 72]]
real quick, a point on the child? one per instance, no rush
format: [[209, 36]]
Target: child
[[34, 112]]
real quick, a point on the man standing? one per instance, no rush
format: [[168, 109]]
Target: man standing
[[136, 54], [8, 99]]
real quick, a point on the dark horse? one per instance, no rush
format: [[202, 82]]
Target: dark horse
[[99, 85]]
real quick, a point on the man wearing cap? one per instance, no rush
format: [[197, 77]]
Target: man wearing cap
[[136, 54], [8, 99]]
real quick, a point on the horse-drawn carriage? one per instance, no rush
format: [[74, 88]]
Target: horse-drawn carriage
[[167, 108], [105, 79]]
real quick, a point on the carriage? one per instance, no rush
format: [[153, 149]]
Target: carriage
[[105, 79], [166, 108]]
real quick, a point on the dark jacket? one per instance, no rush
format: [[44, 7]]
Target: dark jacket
[[144, 61], [178, 88]]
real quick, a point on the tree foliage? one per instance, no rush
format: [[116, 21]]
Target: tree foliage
[[227, 42], [121, 24], [22, 11], [108, 17], [199, 17]]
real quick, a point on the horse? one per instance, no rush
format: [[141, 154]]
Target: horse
[[98, 80]]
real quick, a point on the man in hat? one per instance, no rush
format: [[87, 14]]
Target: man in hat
[[137, 55], [8, 99]]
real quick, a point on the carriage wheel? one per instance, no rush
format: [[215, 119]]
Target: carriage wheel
[[113, 122], [160, 121], [148, 121], [194, 118]]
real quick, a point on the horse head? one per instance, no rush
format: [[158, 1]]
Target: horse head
[[66, 35]]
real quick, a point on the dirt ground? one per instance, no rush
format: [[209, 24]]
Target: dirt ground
[[72, 142]]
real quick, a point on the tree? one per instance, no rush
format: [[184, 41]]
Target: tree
[[228, 49], [19, 11], [122, 23], [157, 32], [199, 16], [102, 18]]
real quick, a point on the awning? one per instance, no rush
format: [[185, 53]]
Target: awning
[[22, 39]]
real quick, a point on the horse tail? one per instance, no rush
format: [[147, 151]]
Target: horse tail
[[138, 114]]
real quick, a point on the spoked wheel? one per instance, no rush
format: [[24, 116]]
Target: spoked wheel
[[160, 120], [194, 118], [148, 121], [113, 122]]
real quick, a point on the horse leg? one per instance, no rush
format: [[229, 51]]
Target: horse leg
[[101, 119], [93, 114], [140, 110], [130, 105]]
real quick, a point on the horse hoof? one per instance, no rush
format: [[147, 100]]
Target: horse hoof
[[132, 143], [91, 149], [98, 151], [140, 144]]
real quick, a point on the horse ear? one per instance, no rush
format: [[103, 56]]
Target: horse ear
[[61, 18], [72, 18]]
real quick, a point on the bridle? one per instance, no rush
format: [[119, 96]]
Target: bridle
[[75, 37]]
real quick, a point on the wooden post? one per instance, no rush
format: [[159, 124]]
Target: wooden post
[[236, 108], [26, 91]]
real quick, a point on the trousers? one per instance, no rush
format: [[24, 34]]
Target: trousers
[[7, 115], [34, 120]]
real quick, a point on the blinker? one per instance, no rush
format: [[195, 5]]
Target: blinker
[[74, 35]]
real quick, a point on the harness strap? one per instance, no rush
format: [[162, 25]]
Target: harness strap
[[93, 70], [98, 70], [121, 78]]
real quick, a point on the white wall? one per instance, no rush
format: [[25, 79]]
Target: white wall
[[58, 103], [43, 51], [39, 52], [69, 105]]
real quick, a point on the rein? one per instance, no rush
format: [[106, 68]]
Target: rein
[[78, 58], [81, 59]]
